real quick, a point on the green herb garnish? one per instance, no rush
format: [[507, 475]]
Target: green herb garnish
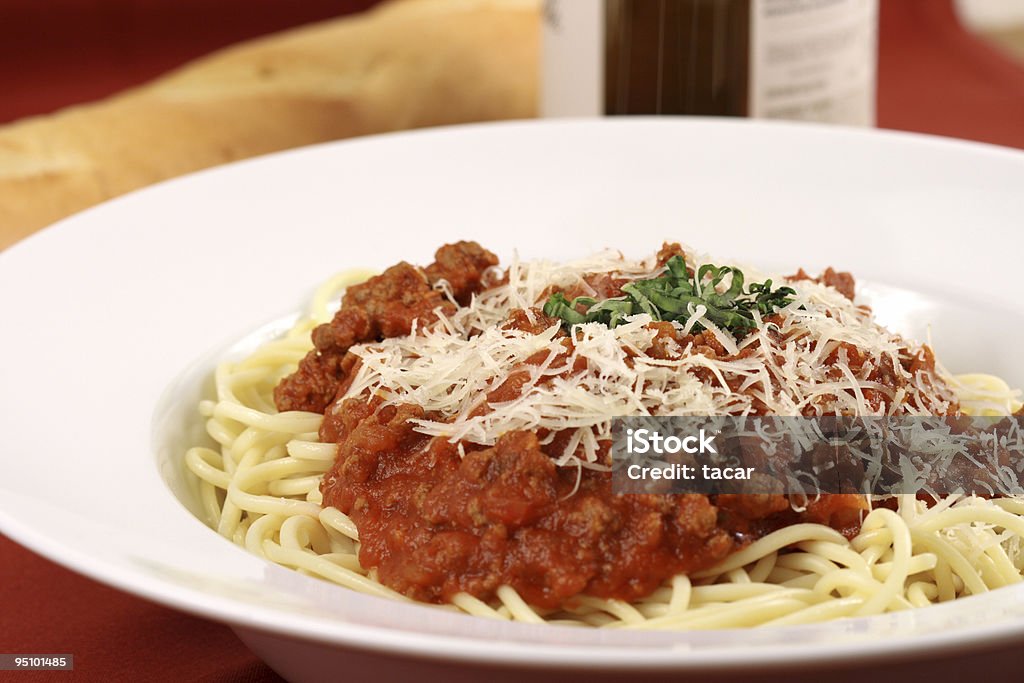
[[675, 295]]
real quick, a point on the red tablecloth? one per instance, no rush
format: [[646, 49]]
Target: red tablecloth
[[61, 52], [934, 78]]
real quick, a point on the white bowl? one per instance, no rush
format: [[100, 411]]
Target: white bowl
[[113, 320]]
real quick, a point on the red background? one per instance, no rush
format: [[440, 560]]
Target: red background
[[933, 77], [59, 52]]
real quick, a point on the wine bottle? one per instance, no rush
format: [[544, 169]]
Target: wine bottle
[[809, 60]]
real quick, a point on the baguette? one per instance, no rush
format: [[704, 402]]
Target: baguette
[[407, 64]]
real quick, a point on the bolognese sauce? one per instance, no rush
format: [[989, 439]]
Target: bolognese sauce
[[439, 516]]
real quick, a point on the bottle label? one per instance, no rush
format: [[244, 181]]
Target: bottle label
[[813, 60], [573, 58]]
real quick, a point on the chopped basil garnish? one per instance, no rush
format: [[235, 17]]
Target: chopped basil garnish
[[670, 296]]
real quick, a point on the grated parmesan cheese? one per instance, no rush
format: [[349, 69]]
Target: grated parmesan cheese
[[449, 368]]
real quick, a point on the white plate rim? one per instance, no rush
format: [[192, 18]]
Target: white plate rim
[[454, 648]]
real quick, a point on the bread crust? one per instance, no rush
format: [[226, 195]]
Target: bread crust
[[406, 64]]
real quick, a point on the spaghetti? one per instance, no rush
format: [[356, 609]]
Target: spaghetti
[[261, 488]]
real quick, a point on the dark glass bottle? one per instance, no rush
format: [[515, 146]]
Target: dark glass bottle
[[794, 59], [676, 57]]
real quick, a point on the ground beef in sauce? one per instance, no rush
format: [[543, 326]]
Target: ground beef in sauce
[[433, 522], [384, 306], [462, 265], [842, 282]]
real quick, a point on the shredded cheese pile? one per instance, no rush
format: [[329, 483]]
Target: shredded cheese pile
[[449, 368]]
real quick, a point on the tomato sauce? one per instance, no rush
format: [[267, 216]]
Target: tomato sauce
[[437, 518], [434, 524]]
